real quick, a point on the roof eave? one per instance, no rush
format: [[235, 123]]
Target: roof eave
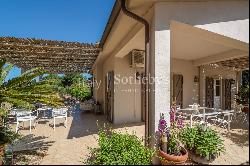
[[112, 18]]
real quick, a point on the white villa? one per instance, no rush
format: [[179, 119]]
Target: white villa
[[196, 51], [153, 55]]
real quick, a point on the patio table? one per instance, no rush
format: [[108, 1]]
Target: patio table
[[193, 112], [44, 109], [219, 112], [19, 111]]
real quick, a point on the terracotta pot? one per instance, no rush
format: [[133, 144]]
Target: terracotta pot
[[1, 154], [199, 159], [1, 150], [172, 159]]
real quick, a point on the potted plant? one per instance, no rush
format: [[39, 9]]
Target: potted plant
[[171, 150], [203, 143]]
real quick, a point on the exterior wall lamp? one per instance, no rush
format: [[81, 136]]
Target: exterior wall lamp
[[196, 79]]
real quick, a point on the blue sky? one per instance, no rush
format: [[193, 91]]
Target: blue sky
[[68, 20]]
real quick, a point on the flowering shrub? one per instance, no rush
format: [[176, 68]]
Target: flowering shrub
[[163, 128], [171, 131], [116, 148]]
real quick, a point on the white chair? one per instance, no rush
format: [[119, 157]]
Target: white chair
[[195, 106], [60, 113], [43, 109], [196, 118], [227, 117], [25, 116], [223, 121], [212, 118]]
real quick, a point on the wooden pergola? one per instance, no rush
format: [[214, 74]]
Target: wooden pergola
[[51, 55], [239, 63]]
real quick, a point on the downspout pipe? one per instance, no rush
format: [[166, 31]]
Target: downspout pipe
[[146, 72]]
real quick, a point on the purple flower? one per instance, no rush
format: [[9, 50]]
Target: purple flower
[[163, 122], [180, 123]]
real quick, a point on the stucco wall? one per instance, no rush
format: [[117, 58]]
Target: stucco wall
[[127, 96], [229, 18], [95, 89], [190, 89], [127, 93], [98, 88]]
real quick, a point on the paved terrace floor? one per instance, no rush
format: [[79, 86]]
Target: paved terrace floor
[[70, 145]]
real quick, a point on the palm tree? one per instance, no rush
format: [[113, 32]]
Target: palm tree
[[23, 91]]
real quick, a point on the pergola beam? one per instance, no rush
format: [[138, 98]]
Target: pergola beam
[[15, 52], [48, 59], [54, 44], [231, 54], [51, 55]]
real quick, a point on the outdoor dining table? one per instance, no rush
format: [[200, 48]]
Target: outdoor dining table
[[195, 112], [43, 109], [19, 111]]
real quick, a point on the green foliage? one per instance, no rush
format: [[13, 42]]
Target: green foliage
[[120, 149], [188, 137], [56, 83], [173, 146], [71, 79], [6, 134], [208, 144], [245, 77], [73, 84], [243, 95], [203, 140], [81, 91], [22, 91], [77, 86]]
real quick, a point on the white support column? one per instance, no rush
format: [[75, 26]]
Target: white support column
[[202, 86], [160, 70]]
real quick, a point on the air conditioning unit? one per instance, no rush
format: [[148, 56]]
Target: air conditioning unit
[[137, 58]]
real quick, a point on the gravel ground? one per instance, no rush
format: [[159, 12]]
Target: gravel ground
[[70, 145]]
